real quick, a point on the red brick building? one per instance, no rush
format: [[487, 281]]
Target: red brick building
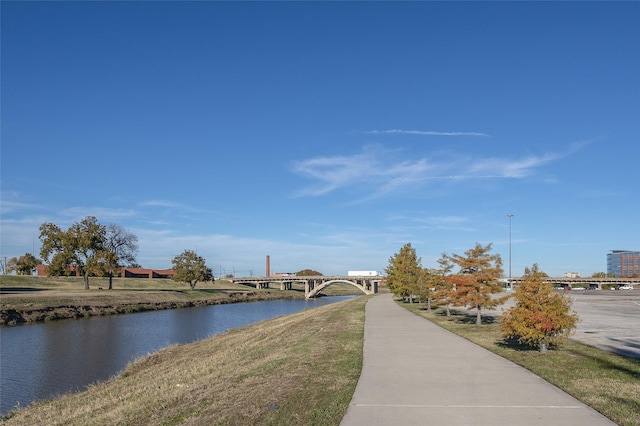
[[146, 273], [124, 272]]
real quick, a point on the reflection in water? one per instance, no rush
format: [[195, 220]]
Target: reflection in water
[[43, 360]]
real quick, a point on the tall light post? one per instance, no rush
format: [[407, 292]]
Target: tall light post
[[510, 216]]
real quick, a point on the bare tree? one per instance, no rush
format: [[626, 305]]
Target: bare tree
[[120, 248]]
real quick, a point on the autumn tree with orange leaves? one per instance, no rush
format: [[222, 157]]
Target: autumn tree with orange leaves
[[478, 279], [445, 289], [541, 316]]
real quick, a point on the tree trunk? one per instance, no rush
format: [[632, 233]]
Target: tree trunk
[[428, 303], [479, 317], [86, 280], [448, 310], [543, 347], [110, 280]]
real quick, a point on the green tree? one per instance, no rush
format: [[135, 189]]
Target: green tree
[[478, 279], [120, 248], [540, 316], [26, 264], [404, 272], [308, 273], [79, 249], [191, 268]]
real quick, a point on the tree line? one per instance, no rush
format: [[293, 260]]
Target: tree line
[[89, 248], [23, 265], [540, 316]]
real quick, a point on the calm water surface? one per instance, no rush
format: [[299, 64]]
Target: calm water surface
[[43, 360]]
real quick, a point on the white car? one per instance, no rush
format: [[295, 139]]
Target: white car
[[626, 287]]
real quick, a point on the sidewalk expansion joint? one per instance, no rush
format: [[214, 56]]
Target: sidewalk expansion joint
[[564, 407]]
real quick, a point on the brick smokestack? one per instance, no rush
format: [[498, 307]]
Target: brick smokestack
[[268, 266]]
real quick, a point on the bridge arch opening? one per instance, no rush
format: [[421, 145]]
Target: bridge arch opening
[[366, 287]]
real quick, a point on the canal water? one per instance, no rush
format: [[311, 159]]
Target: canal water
[[44, 360]]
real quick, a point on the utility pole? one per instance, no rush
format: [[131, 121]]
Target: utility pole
[[510, 216]]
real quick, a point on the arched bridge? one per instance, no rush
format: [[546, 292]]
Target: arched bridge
[[313, 285]]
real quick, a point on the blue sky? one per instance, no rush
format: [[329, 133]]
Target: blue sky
[[325, 134]]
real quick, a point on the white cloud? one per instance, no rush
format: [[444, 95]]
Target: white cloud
[[103, 214], [425, 133], [160, 203], [506, 168], [377, 172], [370, 168], [442, 220], [333, 253], [419, 221], [172, 205], [20, 236], [339, 171], [7, 206]]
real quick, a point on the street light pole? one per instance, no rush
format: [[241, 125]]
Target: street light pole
[[510, 216]]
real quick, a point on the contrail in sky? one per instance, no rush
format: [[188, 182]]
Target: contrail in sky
[[425, 133]]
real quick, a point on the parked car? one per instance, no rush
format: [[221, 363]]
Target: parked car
[[626, 287]]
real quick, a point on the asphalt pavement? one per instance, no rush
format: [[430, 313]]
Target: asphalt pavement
[[416, 373], [607, 319]]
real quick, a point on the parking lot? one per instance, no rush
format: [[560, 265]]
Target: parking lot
[[609, 319]]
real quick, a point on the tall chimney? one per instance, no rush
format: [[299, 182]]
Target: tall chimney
[[268, 266]]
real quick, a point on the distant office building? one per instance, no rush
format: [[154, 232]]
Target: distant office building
[[623, 263]]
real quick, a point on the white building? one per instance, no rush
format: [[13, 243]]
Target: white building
[[362, 273], [571, 275]]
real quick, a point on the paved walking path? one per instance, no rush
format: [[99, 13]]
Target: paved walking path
[[416, 373]]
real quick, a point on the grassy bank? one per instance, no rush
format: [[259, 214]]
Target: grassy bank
[[34, 299], [607, 382], [298, 369]]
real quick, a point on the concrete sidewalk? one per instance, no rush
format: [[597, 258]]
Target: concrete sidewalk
[[416, 373]]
